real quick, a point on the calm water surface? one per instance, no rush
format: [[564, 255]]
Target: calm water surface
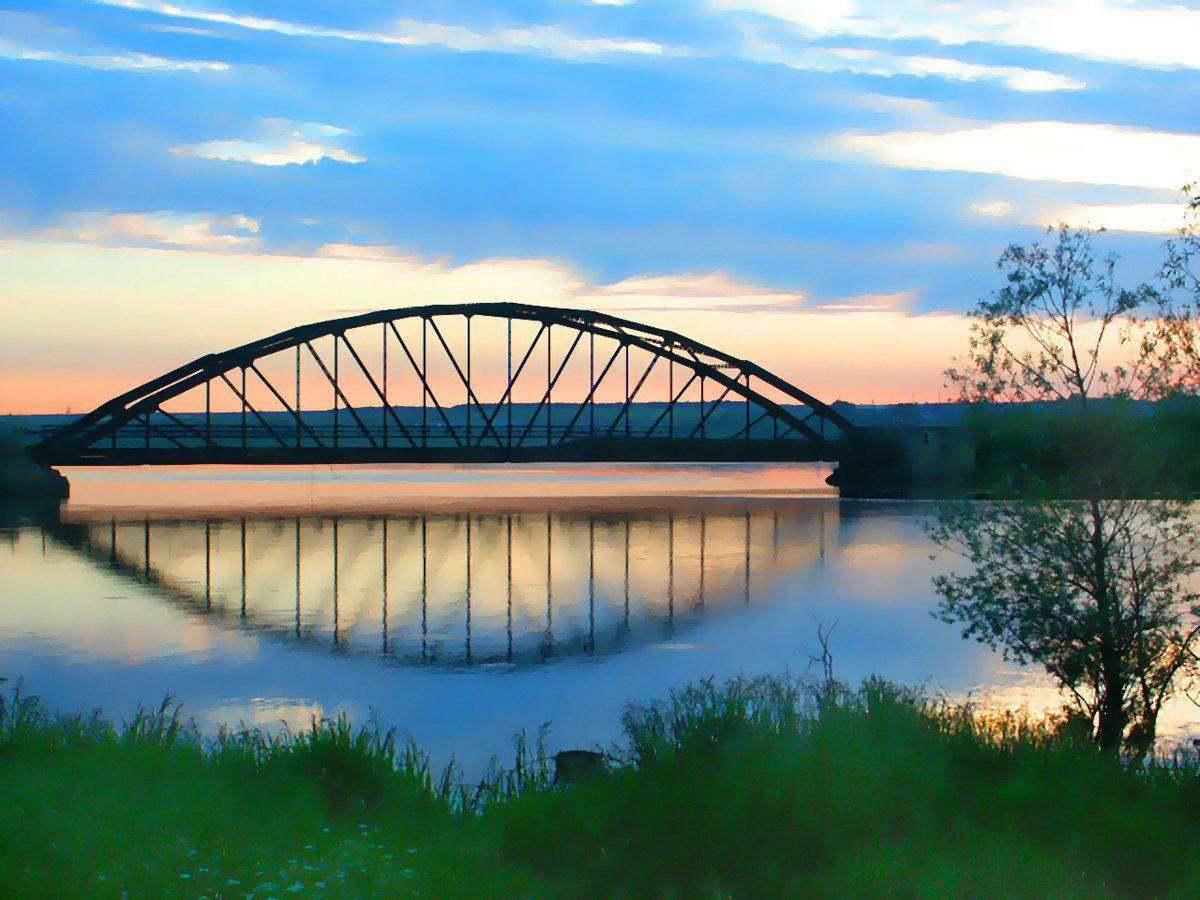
[[464, 604]]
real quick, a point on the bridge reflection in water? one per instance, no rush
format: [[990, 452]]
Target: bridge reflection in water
[[519, 586]]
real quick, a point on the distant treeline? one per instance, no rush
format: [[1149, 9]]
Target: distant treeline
[[1131, 447]]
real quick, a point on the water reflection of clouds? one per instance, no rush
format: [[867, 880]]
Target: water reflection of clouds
[[95, 615], [261, 712], [87, 633]]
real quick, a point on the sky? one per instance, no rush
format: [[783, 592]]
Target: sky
[[820, 187]]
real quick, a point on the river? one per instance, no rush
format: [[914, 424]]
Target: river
[[462, 604]]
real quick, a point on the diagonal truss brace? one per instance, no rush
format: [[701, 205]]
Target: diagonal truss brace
[[428, 391]]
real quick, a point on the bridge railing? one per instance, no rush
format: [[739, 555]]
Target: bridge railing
[[315, 436], [195, 431]]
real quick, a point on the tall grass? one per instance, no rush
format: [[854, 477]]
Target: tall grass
[[759, 786], [773, 786], [149, 806]]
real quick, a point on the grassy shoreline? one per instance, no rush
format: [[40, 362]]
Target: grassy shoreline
[[757, 787]]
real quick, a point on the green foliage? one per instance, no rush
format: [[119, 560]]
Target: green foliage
[[757, 789], [1179, 311], [151, 809], [1097, 592], [1116, 449], [1056, 329], [765, 786], [1084, 564]]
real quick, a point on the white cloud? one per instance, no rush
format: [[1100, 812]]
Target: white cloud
[[262, 153], [1155, 35], [387, 267], [372, 252], [118, 61], [281, 143], [199, 231], [863, 348], [885, 64], [1151, 218], [1041, 151], [893, 302], [678, 291], [1026, 80], [542, 39], [492, 278], [713, 290], [995, 209], [182, 29]]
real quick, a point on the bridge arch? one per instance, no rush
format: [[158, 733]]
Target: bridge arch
[[260, 417]]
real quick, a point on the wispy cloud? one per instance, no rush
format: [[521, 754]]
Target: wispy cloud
[[863, 353], [537, 280], [994, 209], [549, 40], [371, 252], [31, 38], [882, 63], [893, 302], [122, 61], [281, 142], [1145, 34], [681, 291], [692, 291], [1149, 218], [164, 228], [190, 30], [1041, 151]]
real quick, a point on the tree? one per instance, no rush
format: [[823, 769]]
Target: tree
[[1085, 575], [1180, 306]]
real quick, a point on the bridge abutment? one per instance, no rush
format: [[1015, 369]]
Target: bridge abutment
[[904, 461], [23, 480]]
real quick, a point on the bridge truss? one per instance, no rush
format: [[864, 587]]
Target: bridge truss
[[456, 383]]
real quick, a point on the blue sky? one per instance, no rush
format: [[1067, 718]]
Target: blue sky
[[821, 158]]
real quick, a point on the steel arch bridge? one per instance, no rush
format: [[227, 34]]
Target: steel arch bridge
[[432, 384]]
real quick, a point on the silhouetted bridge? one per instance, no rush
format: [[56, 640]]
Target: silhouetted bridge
[[457, 383]]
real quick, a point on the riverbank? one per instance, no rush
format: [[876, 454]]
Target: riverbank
[[24, 481], [759, 788]]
